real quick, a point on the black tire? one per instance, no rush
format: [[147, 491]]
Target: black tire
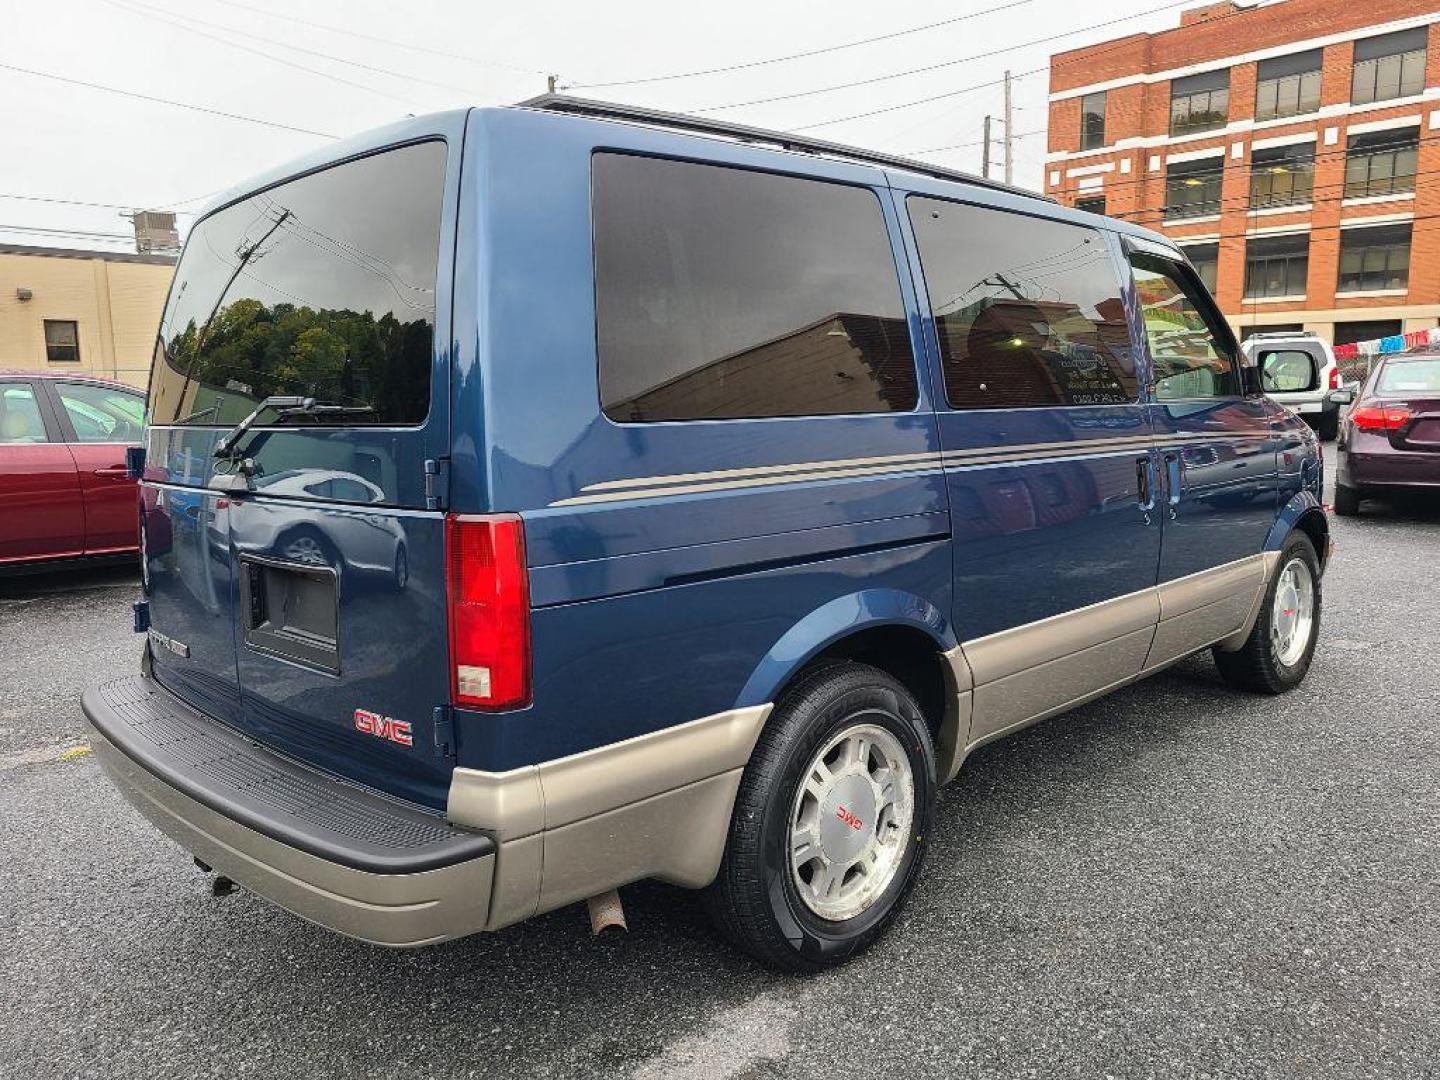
[[1256, 666], [754, 901], [1329, 426], [1347, 500]]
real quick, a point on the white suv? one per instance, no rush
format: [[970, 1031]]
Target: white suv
[[1298, 370]]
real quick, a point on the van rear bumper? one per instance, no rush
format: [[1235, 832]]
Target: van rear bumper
[[343, 857]]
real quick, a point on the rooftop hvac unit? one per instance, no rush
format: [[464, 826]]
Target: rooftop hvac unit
[[155, 232]]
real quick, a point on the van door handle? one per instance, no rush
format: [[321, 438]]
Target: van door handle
[[1144, 486], [1175, 479]]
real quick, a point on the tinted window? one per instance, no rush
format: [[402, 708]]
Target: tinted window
[[1192, 188], [1277, 266], [723, 294], [1375, 259], [1288, 85], [323, 287], [1206, 260], [102, 413], [1389, 66], [1028, 311], [20, 420], [1199, 102], [1191, 354]]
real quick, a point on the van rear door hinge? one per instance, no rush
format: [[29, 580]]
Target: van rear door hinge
[[442, 723], [437, 483]]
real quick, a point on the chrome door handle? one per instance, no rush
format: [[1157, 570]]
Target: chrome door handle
[[1174, 477]]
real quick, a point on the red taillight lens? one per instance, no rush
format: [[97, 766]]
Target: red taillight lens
[[489, 592], [1334, 378], [1378, 418]]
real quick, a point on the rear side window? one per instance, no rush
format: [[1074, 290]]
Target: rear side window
[[1028, 311], [726, 294], [321, 287]]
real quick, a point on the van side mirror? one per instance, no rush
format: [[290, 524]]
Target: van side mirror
[[1343, 396], [1288, 370]]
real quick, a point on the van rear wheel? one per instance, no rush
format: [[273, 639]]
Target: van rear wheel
[[830, 821], [1277, 654]]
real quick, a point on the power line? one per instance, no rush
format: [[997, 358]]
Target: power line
[[973, 142], [872, 80], [796, 56], [388, 42], [266, 55], [301, 49], [909, 104], [85, 233], [98, 205], [165, 101]]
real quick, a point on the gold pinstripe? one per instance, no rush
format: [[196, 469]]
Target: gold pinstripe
[[655, 487]]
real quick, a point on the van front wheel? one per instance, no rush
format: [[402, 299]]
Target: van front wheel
[[830, 821], [1277, 654]]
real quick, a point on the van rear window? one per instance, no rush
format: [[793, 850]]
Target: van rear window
[[723, 293], [320, 287]]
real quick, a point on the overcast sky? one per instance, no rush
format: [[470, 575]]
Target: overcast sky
[[64, 141]]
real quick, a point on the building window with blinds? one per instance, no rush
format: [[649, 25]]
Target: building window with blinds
[[1192, 188], [1376, 259], [1389, 66], [1199, 102], [1380, 163], [1276, 266], [1282, 176], [1288, 85]]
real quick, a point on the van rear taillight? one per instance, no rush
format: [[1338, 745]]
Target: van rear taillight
[[1334, 378], [489, 609]]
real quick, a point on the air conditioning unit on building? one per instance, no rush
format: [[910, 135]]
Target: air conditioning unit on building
[[155, 232]]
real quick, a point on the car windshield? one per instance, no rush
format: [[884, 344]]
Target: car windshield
[[321, 287], [1410, 377]]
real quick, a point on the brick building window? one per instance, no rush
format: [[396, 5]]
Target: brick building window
[[1206, 260], [1374, 259], [1277, 265], [1381, 163], [1288, 85], [1199, 102], [1092, 121], [1389, 66], [62, 341], [1192, 188], [1282, 175], [1093, 204]]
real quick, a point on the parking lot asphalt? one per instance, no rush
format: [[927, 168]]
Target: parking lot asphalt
[[1175, 881]]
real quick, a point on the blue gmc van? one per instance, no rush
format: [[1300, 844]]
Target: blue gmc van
[[537, 500]]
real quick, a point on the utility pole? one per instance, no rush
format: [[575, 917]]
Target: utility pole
[[551, 80], [985, 153], [1009, 129]]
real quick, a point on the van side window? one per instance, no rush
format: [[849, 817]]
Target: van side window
[[723, 294], [1028, 311], [1192, 354]]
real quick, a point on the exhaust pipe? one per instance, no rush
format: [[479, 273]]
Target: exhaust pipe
[[606, 911]]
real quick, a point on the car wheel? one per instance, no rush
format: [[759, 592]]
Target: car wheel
[[1277, 654], [1347, 500], [402, 567], [830, 821], [1329, 426]]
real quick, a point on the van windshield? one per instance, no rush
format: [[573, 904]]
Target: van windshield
[[321, 287]]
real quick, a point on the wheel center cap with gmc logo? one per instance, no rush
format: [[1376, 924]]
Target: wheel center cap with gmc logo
[[847, 819]]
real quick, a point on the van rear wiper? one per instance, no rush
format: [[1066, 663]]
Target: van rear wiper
[[285, 407]]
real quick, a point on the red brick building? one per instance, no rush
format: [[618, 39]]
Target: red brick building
[[1292, 147]]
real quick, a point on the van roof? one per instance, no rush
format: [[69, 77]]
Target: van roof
[[784, 140]]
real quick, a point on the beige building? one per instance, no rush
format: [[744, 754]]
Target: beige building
[[91, 311]]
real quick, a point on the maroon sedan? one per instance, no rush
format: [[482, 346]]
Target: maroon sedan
[[64, 491], [1390, 438]]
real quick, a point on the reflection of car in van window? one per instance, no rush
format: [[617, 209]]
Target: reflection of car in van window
[[564, 496]]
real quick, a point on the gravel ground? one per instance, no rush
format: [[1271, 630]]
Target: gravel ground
[[1175, 881]]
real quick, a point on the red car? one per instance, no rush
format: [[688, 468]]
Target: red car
[[1390, 438], [64, 491]]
